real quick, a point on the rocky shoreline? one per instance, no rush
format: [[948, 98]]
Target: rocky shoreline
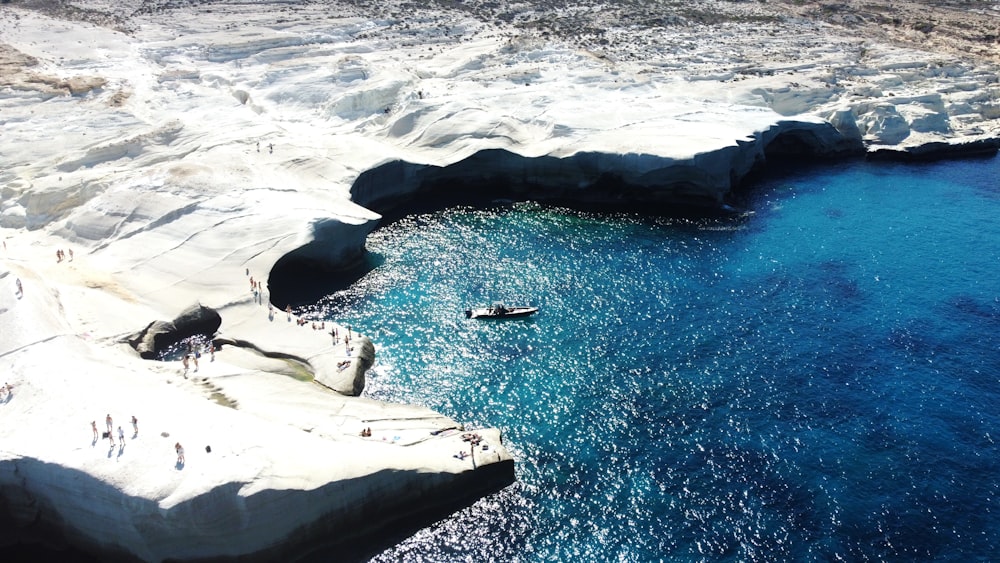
[[188, 148]]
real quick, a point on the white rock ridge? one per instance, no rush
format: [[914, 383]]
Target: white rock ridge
[[194, 148]]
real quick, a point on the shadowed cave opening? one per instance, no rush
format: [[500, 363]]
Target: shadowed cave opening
[[707, 187]]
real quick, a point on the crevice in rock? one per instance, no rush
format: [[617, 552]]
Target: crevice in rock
[[273, 354]]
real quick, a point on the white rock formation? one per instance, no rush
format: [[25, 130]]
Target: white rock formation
[[206, 143]]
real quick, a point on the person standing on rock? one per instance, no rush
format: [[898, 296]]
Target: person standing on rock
[[180, 453], [93, 424], [108, 421], [135, 426], [121, 435]]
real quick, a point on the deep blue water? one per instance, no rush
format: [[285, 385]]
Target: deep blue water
[[818, 381]]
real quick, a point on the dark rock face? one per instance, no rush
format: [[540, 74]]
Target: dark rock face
[[607, 181], [151, 339], [610, 181], [939, 151], [34, 523], [197, 319], [840, 139], [335, 259], [158, 335]]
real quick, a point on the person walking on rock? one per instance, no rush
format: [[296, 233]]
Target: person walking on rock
[[180, 453], [108, 420], [93, 424], [135, 426], [121, 435]]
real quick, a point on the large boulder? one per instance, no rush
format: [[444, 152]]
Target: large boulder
[[159, 335], [885, 126]]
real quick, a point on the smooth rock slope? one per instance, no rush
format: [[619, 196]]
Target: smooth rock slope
[[174, 152]]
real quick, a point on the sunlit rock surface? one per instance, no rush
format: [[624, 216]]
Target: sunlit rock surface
[[174, 153]]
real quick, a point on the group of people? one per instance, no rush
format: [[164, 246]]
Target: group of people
[[321, 325], [60, 255], [347, 336], [257, 289], [110, 434], [194, 354], [473, 439]]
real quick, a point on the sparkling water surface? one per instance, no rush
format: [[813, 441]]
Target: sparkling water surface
[[817, 381]]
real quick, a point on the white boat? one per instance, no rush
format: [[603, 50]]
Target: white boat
[[500, 311]]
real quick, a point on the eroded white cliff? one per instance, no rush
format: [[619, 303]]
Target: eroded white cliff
[[208, 145]]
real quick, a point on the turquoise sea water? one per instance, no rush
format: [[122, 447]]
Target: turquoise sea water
[[817, 381]]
